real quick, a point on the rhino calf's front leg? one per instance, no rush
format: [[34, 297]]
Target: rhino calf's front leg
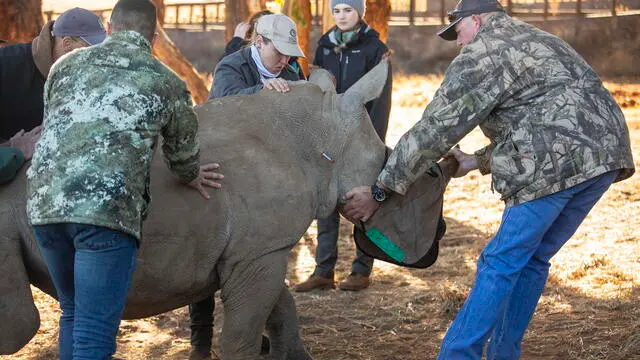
[[284, 332], [250, 292]]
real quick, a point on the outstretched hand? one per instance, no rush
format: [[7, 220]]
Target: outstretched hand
[[206, 177], [360, 206]]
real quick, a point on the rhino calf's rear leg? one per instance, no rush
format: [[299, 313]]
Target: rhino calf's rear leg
[[284, 332], [250, 291], [19, 318]]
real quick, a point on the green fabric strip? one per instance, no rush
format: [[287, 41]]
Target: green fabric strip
[[385, 244]]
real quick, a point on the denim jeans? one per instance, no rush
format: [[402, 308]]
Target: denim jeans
[[513, 269], [91, 268], [327, 251]]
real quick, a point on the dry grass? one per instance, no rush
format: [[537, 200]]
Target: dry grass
[[590, 309]]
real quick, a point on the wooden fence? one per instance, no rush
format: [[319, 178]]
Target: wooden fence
[[210, 15]]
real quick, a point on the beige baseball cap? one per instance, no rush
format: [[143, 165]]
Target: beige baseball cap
[[281, 30]]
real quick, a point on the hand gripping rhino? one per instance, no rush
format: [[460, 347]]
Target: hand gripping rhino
[[287, 159]]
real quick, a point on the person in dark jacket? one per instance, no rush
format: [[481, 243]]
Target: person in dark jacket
[[262, 65], [24, 69], [349, 50], [243, 37]]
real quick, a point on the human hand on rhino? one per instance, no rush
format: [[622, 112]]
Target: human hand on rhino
[[25, 141], [206, 177], [277, 84], [360, 204]]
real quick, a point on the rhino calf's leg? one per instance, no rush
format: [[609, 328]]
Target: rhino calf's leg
[[250, 291], [284, 332], [19, 318]]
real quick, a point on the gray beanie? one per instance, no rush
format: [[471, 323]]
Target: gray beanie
[[359, 5]]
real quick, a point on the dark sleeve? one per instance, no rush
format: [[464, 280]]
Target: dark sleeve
[[11, 161], [380, 108], [228, 80], [233, 45], [317, 60]]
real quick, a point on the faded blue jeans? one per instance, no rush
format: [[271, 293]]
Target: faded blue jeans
[[513, 269], [91, 268]]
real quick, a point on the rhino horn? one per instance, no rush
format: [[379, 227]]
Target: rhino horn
[[370, 86]]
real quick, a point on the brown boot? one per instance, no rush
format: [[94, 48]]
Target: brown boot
[[355, 282], [315, 282]]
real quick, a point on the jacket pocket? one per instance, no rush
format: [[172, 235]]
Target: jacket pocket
[[513, 165]]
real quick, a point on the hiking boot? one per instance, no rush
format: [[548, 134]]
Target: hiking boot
[[355, 282], [315, 282], [202, 354]]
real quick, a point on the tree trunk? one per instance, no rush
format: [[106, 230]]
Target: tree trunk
[[377, 16], [235, 11], [169, 54], [20, 20], [160, 10], [327, 18], [300, 12]]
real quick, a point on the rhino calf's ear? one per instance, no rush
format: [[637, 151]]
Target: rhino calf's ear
[[370, 86], [324, 79]]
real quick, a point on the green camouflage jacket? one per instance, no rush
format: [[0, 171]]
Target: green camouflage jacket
[[551, 122], [104, 107]]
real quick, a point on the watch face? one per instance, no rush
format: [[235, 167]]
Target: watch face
[[378, 194]]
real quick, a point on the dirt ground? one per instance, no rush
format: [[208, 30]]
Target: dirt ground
[[590, 309]]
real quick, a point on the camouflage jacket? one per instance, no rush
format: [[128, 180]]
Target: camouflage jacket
[[104, 109], [551, 122]]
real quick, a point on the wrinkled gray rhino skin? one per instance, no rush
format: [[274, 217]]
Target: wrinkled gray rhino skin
[[270, 148]]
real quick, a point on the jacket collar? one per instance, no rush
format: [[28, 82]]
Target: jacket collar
[[42, 49], [132, 38]]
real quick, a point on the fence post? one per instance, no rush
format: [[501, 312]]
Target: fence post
[[412, 12], [204, 17], [177, 16], [546, 10], [443, 12], [510, 7], [613, 8], [578, 7]]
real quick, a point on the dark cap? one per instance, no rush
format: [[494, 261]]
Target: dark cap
[[463, 9], [82, 23]]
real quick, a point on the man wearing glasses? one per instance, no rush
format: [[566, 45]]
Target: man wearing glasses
[[558, 141]]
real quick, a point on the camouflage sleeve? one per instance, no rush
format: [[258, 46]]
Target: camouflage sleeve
[[483, 158], [473, 85], [180, 144]]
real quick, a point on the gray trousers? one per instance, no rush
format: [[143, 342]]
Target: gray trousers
[[327, 251]]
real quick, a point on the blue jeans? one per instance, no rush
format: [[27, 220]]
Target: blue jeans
[[327, 250], [91, 268], [513, 269]]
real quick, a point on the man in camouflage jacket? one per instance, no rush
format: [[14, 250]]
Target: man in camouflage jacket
[[558, 140], [89, 181]]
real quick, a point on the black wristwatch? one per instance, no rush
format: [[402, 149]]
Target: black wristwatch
[[378, 193]]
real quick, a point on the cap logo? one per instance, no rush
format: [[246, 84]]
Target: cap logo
[[292, 35]]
